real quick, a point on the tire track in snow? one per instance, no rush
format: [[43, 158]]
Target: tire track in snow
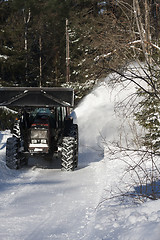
[[100, 179], [65, 210]]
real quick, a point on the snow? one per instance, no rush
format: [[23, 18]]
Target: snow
[[42, 203], [4, 56]]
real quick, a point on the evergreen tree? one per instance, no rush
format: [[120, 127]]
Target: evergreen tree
[[7, 118], [149, 117], [148, 114]]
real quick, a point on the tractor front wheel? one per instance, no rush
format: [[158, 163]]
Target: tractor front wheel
[[12, 160]]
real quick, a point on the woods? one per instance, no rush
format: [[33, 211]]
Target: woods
[[33, 41], [32, 31], [102, 36]]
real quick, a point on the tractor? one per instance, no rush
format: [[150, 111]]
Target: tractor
[[43, 127]]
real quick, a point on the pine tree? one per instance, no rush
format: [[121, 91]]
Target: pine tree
[[148, 114]]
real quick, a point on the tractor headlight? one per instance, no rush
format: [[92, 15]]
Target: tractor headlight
[[33, 141], [43, 141]]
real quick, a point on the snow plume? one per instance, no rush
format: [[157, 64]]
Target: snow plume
[[101, 115], [95, 115]]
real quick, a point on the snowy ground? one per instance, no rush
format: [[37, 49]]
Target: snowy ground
[[41, 204]]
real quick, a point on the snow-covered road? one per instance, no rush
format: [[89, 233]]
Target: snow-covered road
[[47, 203]]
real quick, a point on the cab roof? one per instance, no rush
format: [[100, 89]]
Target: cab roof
[[36, 97]]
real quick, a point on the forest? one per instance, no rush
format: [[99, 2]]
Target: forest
[[102, 37], [33, 41]]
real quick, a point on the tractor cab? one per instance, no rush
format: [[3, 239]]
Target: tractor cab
[[40, 132]]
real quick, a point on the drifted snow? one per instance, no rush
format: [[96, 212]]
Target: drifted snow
[[41, 204]]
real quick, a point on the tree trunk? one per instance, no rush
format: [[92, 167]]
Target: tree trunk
[[26, 21], [144, 32], [147, 32], [67, 54], [40, 61]]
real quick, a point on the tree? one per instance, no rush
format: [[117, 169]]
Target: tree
[[103, 31], [12, 65]]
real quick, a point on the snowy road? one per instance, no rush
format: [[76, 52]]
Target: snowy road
[[47, 203]]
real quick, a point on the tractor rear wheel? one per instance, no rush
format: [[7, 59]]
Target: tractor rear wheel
[[68, 154], [74, 133]]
